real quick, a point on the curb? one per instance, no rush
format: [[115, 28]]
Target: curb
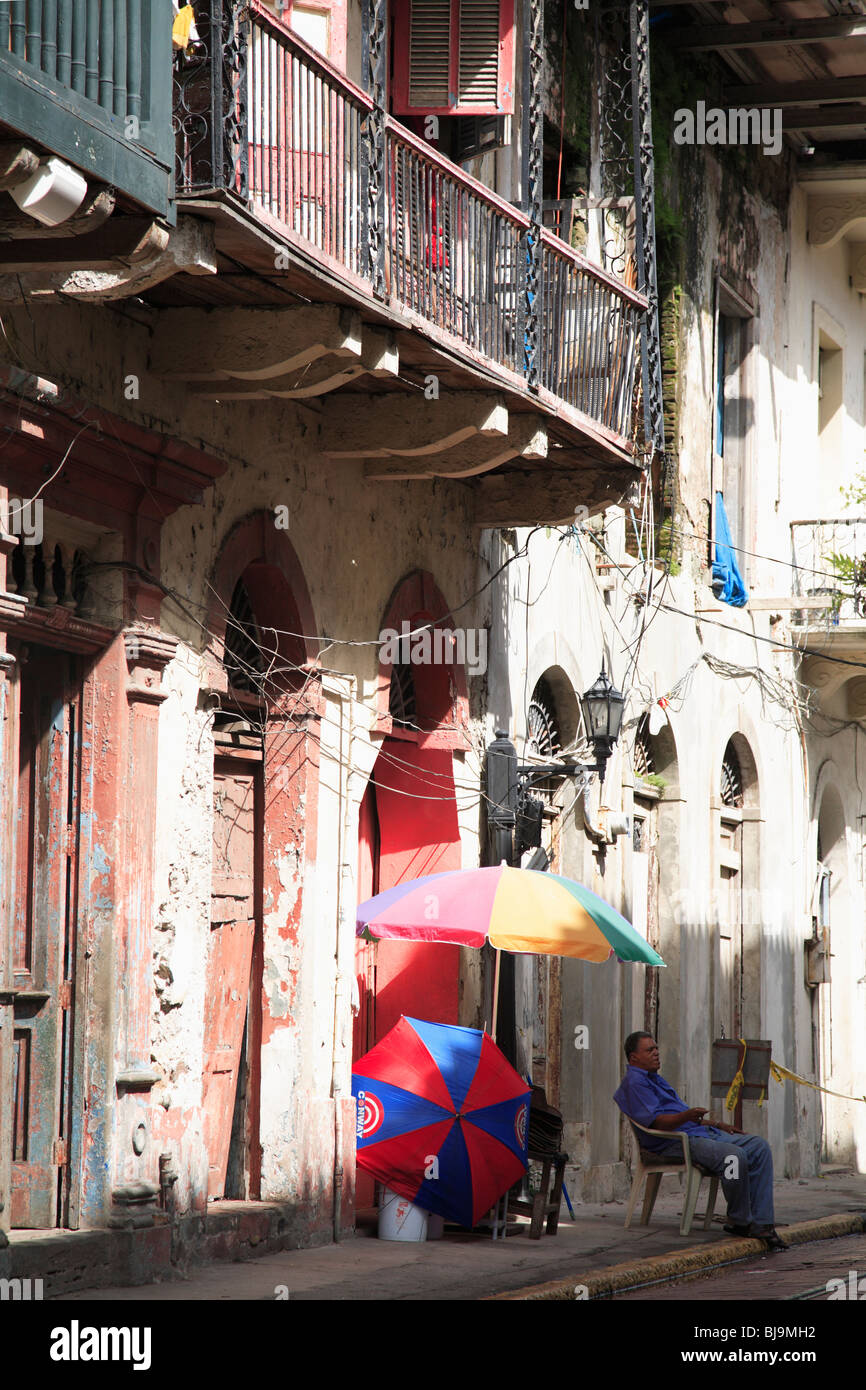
[[603, 1283]]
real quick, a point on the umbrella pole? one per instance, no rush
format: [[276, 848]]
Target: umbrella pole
[[495, 993]]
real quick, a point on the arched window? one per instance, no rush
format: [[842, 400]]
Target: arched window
[[244, 658], [542, 722], [402, 699], [731, 782], [642, 753]]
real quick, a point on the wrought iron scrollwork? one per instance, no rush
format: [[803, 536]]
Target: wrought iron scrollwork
[[374, 135], [616, 151], [644, 178], [210, 102], [626, 165], [533, 170]]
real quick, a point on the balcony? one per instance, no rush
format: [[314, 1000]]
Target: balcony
[[318, 197], [832, 622], [90, 82]]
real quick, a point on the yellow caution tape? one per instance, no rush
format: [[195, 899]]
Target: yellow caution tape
[[761, 1098], [180, 30], [781, 1073], [737, 1084]]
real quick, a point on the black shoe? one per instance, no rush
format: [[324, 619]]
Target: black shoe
[[773, 1240], [741, 1231]]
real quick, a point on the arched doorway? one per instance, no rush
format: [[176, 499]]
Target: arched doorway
[[836, 965], [264, 800], [408, 823], [737, 993], [655, 848]]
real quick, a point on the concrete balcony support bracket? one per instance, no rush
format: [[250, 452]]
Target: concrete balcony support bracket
[[251, 344], [253, 354], [525, 438], [159, 253], [832, 216], [542, 497], [414, 426]]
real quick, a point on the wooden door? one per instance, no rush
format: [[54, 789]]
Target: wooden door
[[729, 1003], [46, 840], [234, 912]]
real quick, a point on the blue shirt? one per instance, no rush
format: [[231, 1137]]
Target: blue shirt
[[644, 1095]]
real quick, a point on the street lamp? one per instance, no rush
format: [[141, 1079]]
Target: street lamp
[[603, 707], [509, 782]]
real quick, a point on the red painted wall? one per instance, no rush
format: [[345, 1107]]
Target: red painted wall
[[417, 836]]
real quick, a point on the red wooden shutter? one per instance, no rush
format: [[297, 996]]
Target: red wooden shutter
[[454, 58]]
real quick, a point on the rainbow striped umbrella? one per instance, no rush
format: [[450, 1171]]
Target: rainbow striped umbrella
[[520, 910]]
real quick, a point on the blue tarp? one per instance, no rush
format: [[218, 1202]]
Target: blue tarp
[[727, 581]]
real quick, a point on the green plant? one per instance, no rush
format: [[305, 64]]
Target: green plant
[[653, 779]]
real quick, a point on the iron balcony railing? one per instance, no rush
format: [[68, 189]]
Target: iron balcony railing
[[91, 81], [261, 115], [829, 560]]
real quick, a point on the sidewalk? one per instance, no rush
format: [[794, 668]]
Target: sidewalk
[[467, 1267]]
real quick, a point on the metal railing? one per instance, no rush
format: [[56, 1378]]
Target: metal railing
[[270, 120], [589, 345], [829, 559], [304, 135], [452, 249], [103, 63]]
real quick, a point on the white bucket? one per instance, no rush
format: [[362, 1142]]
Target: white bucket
[[400, 1219]]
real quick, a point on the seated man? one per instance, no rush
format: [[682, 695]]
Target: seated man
[[646, 1097]]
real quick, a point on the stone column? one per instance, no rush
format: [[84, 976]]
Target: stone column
[[148, 651], [7, 665]]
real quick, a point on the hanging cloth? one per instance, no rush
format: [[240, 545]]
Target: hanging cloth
[[727, 581], [183, 31]]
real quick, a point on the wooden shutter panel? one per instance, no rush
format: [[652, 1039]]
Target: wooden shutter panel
[[454, 57]]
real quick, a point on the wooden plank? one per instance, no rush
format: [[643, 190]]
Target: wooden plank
[[822, 117], [126, 240], [763, 33], [796, 93], [766, 603], [17, 163], [763, 603]]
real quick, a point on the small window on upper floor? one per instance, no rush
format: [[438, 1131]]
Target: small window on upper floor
[[830, 381], [312, 23], [453, 57], [731, 781]]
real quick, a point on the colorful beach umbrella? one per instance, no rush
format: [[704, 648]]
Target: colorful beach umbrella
[[442, 1118], [519, 910]]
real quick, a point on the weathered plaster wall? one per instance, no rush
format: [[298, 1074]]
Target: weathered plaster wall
[[354, 541], [763, 250]]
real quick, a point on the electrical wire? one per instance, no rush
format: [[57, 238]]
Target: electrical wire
[[758, 555], [776, 642]]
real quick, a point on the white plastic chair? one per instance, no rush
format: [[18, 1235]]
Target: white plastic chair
[[653, 1167]]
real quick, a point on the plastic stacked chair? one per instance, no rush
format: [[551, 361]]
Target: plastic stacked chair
[[545, 1147]]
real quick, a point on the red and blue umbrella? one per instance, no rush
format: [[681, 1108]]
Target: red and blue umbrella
[[442, 1118]]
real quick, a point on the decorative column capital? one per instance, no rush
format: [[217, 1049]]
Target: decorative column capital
[[148, 652]]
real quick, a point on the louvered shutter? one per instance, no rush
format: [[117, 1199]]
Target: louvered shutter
[[454, 58]]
